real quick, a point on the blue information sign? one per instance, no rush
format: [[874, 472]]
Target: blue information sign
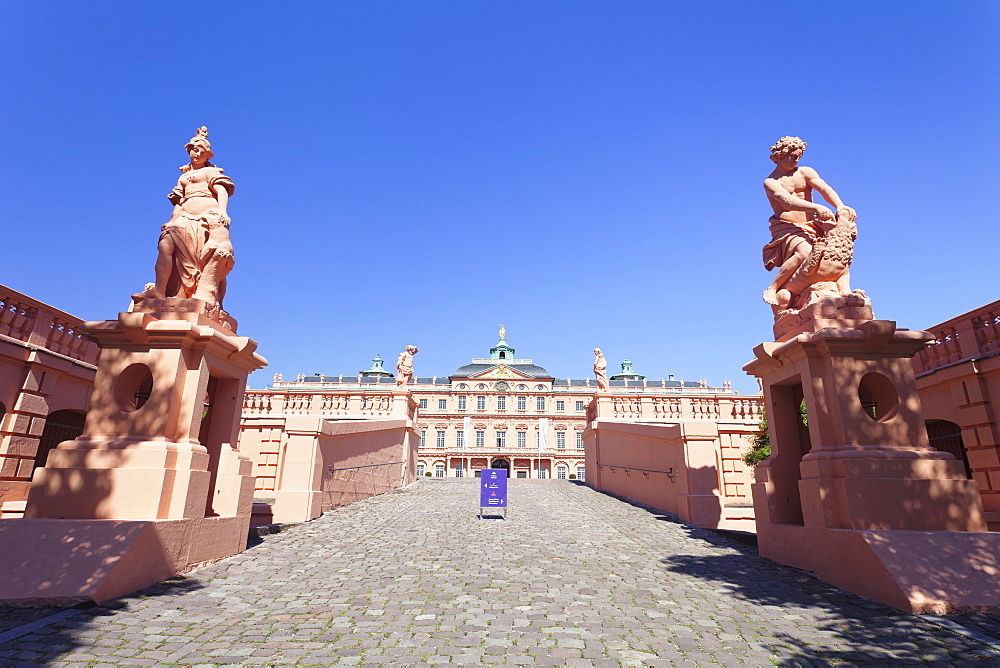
[[493, 489]]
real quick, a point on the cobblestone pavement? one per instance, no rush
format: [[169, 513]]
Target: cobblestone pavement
[[572, 577]]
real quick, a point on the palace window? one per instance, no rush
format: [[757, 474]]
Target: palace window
[[420, 470], [423, 403], [501, 403], [460, 438], [560, 405], [540, 403], [579, 440], [480, 403], [439, 471], [501, 440], [461, 403], [579, 407], [480, 439], [442, 404], [522, 439], [543, 471], [440, 439], [561, 472], [561, 440], [522, 403], [581, 472], [423, 438], [458, 472]]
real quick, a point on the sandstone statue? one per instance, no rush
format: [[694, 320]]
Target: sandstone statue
[[811, 245], [404, 366], [195, 253], [600, 370]]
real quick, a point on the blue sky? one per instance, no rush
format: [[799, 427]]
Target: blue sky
[[586, 173]]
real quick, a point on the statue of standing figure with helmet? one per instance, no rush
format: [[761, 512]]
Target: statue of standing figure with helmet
[[194, 253]]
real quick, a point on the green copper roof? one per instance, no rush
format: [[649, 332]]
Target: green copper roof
[[627, 372], [376, 369]]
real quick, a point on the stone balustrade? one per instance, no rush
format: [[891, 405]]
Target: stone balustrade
[[658, 407], [971, 335], [357, 404], [40, 326]]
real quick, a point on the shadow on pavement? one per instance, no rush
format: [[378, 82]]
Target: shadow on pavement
[[42, 646], [850, 630]]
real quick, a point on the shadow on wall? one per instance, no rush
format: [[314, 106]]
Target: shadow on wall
[[849, 629], [62, 425], [57, 562], [48, 486]]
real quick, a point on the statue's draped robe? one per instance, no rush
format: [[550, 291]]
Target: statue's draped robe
[[784, 237], [189, 233]]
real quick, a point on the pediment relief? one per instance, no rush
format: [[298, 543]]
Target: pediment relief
[[500, 371]]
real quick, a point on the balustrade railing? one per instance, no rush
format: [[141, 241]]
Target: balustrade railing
[[969, 336], [725, 407], [342, 404], [366, 404], [42, 326]]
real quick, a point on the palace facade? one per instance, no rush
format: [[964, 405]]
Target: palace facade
[[507, 412], [495, 411]]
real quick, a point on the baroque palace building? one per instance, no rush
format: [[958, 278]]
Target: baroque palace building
[[504, 412], [303, 436]]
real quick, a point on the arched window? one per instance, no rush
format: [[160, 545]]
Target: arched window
[[60, 426], [946, 436]]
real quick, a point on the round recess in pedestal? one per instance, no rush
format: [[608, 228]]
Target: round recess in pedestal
[[878, 397], [133, 387]]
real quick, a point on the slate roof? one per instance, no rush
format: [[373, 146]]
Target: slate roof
[[649, 383], [471, 369], [440, 380], [532, 370]]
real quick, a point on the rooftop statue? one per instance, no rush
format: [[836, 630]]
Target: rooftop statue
[[404, 366], [600, 369], [503, 332], [811, 245], [195, 253]]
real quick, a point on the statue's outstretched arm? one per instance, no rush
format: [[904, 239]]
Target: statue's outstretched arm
[[829, 194], [824, 189], [222, 195], [776, 192]]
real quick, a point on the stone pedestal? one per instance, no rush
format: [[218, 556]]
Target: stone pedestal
[[157, 447], [859, 483], [826, 311]]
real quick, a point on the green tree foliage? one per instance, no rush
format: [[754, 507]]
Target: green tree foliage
[[760, 443], [760, 446]]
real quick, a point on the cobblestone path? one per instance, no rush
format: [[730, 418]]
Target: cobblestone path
[[572, 577]]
